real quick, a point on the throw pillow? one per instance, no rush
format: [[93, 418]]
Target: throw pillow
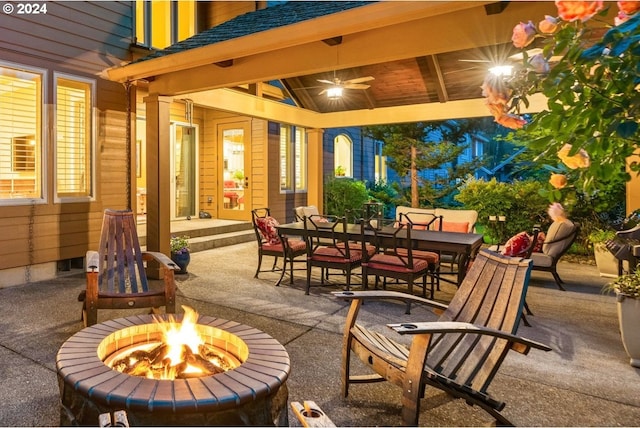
[[455, 226], [541, 237], [517, 245], [268, 229]]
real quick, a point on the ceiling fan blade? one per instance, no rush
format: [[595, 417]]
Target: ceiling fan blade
[[326, 81], [324, 91], [359, 80], [356, 86]]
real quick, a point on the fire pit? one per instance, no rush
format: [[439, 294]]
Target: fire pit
[[252, 393]]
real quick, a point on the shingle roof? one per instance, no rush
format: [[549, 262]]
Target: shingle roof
[[260, 20]]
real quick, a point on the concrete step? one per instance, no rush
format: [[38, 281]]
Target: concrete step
[[208, 242], [205, 235]]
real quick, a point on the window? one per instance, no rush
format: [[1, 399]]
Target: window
[[161, 23], [293, 158], [380, 170], [342, 156], [73, 138], [20, 133]]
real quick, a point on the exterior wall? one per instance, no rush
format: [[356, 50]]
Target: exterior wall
[[363, 153], [281, 203], [96, 36]]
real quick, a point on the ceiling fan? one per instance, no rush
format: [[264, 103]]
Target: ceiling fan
[[337, 83]]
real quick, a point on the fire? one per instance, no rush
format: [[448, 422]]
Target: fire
[[180, 352]]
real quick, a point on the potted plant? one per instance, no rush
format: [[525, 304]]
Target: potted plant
[[627, 289], [238, 176], [606, 262], [340, 171], [180, 252]]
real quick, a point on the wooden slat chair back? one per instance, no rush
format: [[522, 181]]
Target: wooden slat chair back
[[461, 352], [116, 275]]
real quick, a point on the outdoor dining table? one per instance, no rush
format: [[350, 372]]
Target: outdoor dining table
[[464, 245]]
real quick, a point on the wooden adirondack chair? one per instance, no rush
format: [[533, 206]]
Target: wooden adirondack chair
[[116, 276], [461, 352]]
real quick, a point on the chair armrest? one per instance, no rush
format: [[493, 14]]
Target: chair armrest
[[160, 258], [93, 261], [468, 328], [387, 295]]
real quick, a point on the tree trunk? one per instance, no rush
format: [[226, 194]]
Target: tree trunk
[[415, 200]]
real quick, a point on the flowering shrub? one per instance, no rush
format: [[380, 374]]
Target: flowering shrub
[[588, 70], [179, 244]]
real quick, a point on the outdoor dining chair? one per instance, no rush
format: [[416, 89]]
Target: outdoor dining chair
[[334, 252], [272, 243], [397, 261]]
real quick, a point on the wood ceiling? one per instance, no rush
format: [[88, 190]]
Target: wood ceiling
[[451, 76]]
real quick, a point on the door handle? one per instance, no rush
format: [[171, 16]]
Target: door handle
[[246, 182]]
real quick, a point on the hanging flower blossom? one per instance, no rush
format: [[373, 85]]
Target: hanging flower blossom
[[558, 180], [629, 7], [556, 212], [511, 121], [579, 160], [548, 25], [539, 64], [578, 10], [523, 34]]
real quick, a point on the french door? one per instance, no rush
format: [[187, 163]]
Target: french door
[[234, 194]]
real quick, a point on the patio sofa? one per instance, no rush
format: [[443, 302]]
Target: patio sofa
[[452, 220]]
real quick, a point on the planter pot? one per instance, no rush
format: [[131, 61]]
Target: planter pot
[[606, 262], [629, 318], [182, 260]]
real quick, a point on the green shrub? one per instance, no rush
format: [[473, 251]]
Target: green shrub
[[345, 196], [387, 195], [519, 201]]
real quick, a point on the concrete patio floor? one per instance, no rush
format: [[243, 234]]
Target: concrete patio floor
[[585, 381]]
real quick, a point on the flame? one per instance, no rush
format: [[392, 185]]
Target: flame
[[181, 351]]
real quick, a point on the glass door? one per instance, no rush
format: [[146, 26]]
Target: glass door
[[184, 171], [233, 185]]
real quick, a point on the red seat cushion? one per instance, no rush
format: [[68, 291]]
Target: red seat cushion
[[297, 245], [394, 263], [429, 256], [356, 246], [330, 254]]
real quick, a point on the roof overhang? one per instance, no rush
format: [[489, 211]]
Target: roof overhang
[[372, 34]]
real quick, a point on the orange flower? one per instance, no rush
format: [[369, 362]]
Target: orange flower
[[495, 90], [523, 34], [622, 17], [548, 25], [511, 121], [579, 160], [558, 180], [574, 10], [629, 7]]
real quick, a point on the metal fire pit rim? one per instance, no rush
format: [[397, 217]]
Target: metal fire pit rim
[[265, 370]]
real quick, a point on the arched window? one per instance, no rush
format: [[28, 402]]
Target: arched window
[[343, 156]]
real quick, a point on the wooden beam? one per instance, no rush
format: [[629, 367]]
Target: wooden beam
[[224, 64], [429, 66], [333, 41]]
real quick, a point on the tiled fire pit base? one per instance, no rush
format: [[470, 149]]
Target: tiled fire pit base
[[253, 394]]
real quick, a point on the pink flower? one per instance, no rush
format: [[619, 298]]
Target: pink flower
[[622, 17], [628, 7], [558, 180], [495, 90], [574, 10], [539, 64], [556, 212], [523, 34], [579, 160], [548, 25]]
